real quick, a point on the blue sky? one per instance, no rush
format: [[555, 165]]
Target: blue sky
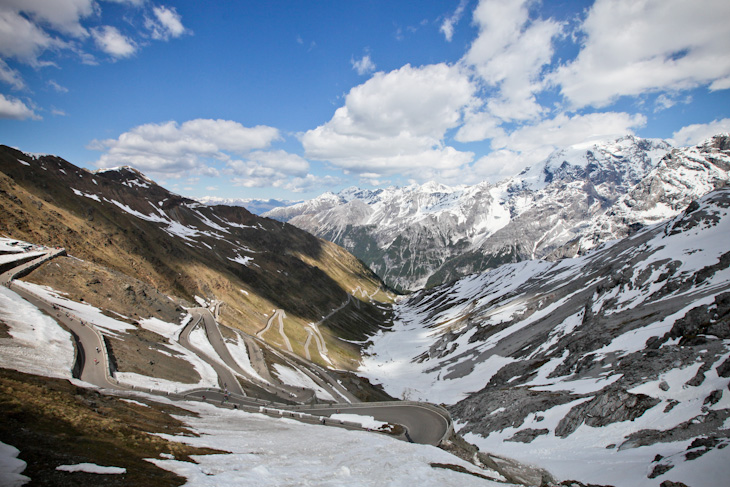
[[288, 99]]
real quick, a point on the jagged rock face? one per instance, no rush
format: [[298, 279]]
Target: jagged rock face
[[622, 349], [401, 233], [681, 176], [422, 236]]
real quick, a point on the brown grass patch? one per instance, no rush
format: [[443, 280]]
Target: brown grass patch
[[52, 423]]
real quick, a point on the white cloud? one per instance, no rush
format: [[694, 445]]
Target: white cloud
[[363, 66], [509, 55], [136, 3], [533, 143], [498, 165], [15, 109], [168, 23], [373, 179], [171, 147], [113, 42], [310, 182], [31, 28], [62, 15], [447, 26], [396, 121], [22, 39], [281, 160], [60, 89], [634, 47], [699, 132], [11, 76], [479, 125], [663, 102], [563, 130], [267, 169]]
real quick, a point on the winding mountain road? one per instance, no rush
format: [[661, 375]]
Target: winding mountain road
[[426, 424], [90, 347], [226, 378]]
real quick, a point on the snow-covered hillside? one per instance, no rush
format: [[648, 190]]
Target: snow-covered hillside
[[260, 450], [424, 235], [611, 368]]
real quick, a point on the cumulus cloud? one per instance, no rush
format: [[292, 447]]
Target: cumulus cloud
[[699, 132], [630, 48], [273, 168], [62, 15], [310, 182], [396, 121], [564, 130], [11, 76], [262, 177], [533, 143], [170, 148], [509, 55], [479, 125], [167, 23], [31, 29], [22, 39], [113, 42], [363, 66], [13, 108]]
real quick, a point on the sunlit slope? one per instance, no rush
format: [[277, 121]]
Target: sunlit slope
[[123, 221]]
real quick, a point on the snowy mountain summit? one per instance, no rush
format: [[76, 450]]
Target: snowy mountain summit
[[420, 236]]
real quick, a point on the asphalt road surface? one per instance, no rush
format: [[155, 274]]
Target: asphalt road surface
[[226, 378], [89, 343], [424, 425]]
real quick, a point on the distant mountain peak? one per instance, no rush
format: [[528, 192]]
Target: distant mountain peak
[[423, 235], [126, 175]]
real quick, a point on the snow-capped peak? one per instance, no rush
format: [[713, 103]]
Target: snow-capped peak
[[410, 235]]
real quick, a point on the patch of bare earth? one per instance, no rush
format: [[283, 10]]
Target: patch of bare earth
[[107, 289], [143, 352]]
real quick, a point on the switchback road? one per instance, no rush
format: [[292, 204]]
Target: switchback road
[[424, 423]]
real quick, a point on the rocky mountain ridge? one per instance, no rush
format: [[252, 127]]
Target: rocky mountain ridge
[[420, 236], [619, 357], [121, 220]]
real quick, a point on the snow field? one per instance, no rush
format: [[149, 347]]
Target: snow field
[[239, 352], [11, 467], [38, 345], [266, 451], [91, 468], [364, 421], [85, 312], [297, 378]]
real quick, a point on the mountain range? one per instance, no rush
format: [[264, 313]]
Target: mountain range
[[255, 206], [612, 367], [424, 235], [575, 317]]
